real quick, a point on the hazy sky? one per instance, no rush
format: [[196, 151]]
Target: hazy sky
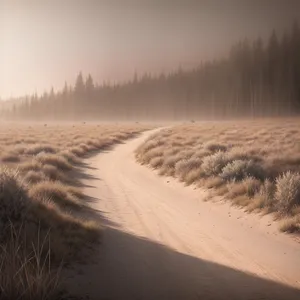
[[44, 43]]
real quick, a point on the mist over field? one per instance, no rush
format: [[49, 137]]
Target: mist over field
[[150, 149]]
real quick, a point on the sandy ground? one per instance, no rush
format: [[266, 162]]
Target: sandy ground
[[163, 241]]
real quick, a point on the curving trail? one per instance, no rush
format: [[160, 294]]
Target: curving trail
[[162, 241]]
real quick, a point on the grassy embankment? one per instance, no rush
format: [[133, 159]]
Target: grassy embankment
[[255, 164], [42, 223]]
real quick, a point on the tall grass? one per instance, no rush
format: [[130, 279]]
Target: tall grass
[[27, 274]]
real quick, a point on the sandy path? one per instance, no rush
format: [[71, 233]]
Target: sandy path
[[162, 241]]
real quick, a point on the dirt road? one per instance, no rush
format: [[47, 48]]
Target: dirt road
[[162, 241]]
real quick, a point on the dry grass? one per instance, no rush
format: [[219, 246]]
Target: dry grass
[[291, 224], [39, 200], [55, 160], [256, 164], [27, 275], [55, 191]]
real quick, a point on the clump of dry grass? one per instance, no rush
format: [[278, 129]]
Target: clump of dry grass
[[290, 224], [34, 150], [53, 173], [193, 176], [55, 160], [168, 167], [156, 162], [214, 182], [64, 196], [267, 192], [184, 166], [252, 186], [33, 177], [248, 186], [256, 164], [69, 156], [32, 165]]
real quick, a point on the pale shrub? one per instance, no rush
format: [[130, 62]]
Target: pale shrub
[[287, 192], [213, 164], [240, 169]]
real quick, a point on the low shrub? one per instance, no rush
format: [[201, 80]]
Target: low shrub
[[213, 164], [240, 169], [287, 193]]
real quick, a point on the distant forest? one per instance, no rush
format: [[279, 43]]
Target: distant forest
[[256, 79]]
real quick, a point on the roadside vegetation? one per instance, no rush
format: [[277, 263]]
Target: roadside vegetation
[[43, 224], [255, 164]]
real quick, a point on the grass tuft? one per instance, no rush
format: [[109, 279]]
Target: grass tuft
[[290, 225], [56, 160], [62, 195], [287, 192]]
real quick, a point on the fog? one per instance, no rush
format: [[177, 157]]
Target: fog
[[45, 43]]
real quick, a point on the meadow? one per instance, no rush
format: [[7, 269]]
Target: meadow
[[254, 164], [43, 224]]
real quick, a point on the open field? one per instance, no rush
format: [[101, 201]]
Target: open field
[[254, 164], [42, 207]]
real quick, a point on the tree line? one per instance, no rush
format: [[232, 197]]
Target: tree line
[[258, 78]]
